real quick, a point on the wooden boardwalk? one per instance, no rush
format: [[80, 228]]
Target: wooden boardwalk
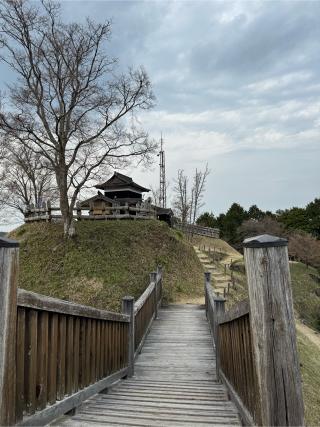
[[174, 383]]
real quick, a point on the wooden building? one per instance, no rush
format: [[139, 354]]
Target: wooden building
[[123, 188]]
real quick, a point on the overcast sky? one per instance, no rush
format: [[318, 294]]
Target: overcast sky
[[237, 86]]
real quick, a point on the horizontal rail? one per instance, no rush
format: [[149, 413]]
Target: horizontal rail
[[198, 229], [143, 298], [42, 302], [235, 312]]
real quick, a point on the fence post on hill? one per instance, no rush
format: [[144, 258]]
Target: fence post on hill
[[273, 331], [9, 258], [128, 308], [153, 278], [218, 309], [207, 279]]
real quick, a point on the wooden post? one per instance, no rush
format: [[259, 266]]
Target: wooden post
[[228, 287], [153, 278], [225, 269], [128, 308], [79, 212], [219, 309], [207, 279], [273, 331], [49, 213], [160, 273], [9, 259]]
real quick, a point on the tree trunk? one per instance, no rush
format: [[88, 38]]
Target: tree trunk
[[66, 209]]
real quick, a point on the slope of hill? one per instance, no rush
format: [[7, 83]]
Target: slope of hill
[[305, 281], [106, 261]]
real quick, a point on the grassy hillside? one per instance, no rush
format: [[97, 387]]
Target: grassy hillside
[[106, 261], [305, 281]]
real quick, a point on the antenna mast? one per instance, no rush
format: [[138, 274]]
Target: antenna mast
[[163, 189]]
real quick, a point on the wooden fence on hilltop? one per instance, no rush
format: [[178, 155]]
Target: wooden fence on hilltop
[[48, 213], [256, 352], [197, 229], [54, 354]]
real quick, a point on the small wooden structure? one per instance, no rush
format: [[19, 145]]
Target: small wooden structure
[[122, 199], [123, 188]]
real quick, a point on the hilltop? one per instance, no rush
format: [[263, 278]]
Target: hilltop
[[105, 261]]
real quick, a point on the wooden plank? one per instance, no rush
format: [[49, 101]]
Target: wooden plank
[[93, 350], [143, 298], [98, 351], [69, 355], [41, 302], [20, 361], [52, 358], [61, 366], [9, 258], [31, 360], [59, 408], [83, 352], [42, 359], [240, 309], [76, 355], [88, 352]]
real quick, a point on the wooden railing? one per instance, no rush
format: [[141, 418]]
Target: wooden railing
[[54, 354], [237, 367], [46, 212], [146, 309], [197, 229], [256, 353]]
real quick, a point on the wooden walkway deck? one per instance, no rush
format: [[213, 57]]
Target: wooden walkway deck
[[174, 382]]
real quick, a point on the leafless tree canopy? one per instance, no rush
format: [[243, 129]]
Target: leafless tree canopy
[[197, 192], [181, 202], [25, 179], [68, 104], [187, 203]]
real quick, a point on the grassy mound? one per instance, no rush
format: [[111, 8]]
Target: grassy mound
[[105, 261]]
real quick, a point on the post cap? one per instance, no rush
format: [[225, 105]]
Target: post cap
[[8, 243], [128, 298], [218, 298], [264, 241]]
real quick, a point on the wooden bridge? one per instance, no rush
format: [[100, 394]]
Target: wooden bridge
[[67, 364]]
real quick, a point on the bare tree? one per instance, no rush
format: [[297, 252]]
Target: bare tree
[[25, 179], [181, 203], [68, 104], [197, 192]]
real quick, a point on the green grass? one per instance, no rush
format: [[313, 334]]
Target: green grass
[[106, 261], [310, 370], [306, 302]]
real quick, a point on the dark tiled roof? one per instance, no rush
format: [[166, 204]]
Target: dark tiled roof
[[99, 196], [118, 180]]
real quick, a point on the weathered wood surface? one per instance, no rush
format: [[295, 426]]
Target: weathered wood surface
[[174, 382], [42, 302], [273, 331], [9, 258]]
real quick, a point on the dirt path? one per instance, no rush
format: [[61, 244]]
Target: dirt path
[[313, 335]]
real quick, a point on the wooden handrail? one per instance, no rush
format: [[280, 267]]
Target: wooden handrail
[[54, 354], [143, 298], [41, 302], [238, 310]]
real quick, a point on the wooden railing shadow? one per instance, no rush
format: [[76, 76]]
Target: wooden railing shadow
[[256, 352], [55, 354]]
